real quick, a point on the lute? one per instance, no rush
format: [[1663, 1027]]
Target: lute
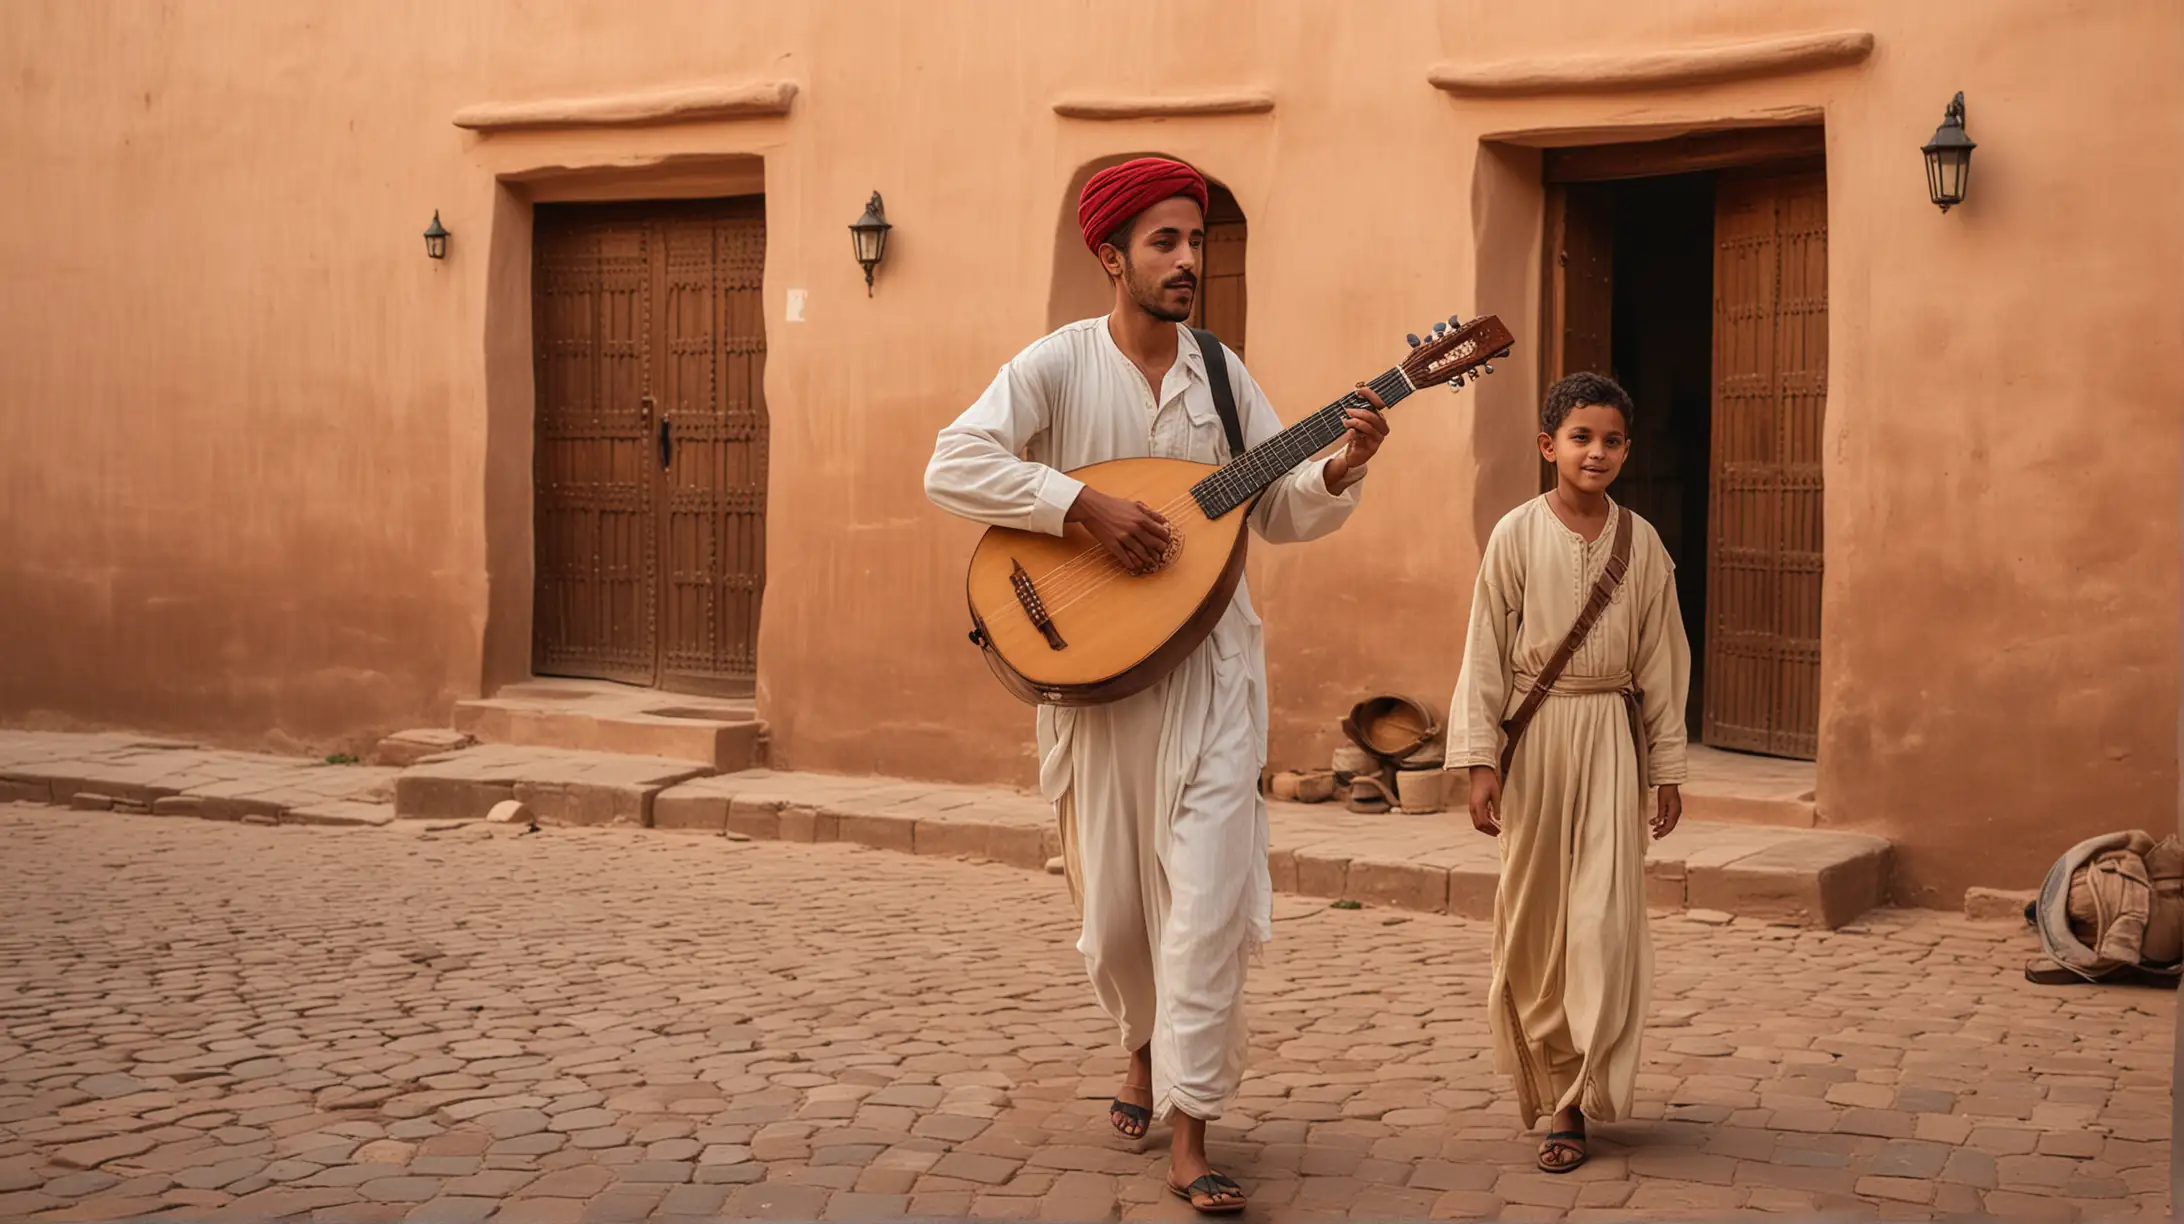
[[1062, 622]]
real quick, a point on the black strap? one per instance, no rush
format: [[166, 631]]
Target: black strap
[[1224, 399]]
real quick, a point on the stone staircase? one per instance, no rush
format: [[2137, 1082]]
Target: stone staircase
[[596, 716]]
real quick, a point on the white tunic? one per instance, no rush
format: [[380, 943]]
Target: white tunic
[[1172, 859]]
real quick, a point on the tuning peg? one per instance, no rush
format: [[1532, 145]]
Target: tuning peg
[[1457, 382], [1414, 340], [1452, 321], [1488, 367], [1439, 328]]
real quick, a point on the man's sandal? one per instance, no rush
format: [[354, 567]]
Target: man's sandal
[[1130, 1121], [1562, 1141], [1213, 1194]]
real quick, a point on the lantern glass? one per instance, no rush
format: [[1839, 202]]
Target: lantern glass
[[870, 243], [1948, 172]]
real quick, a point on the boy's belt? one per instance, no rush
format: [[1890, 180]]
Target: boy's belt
[[1621, 683]]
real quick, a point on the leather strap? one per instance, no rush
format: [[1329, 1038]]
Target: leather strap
[[1604, 590], [1224, 398]]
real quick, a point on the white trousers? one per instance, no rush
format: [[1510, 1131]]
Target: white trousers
[[1170, 897]]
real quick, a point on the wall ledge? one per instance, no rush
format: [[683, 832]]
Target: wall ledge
[[1237, 102], [1608, 73], [676, 104]]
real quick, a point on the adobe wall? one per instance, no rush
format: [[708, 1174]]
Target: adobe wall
[[264, 467]]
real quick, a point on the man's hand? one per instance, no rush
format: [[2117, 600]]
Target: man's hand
[[1486, 800], [1132, 532], [1671, 811], [1367, 430]]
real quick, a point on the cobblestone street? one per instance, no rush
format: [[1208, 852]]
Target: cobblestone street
[[224, 1021]]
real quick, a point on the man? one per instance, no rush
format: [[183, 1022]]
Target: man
[[1157, 794]]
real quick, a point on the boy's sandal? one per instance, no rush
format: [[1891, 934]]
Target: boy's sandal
[[1213, 1194], [1572, 1142], [1130, 1121]]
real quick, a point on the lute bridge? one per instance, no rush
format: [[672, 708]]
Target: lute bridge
[[1034, 607]]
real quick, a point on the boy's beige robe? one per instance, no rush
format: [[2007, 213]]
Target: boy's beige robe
[[1573, 964]]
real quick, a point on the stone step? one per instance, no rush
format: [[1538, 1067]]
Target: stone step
[[558, 785], [595, 716], [1433, 863], [1731, 788], [118, 772], [1741, 788]]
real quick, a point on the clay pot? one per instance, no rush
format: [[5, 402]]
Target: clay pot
[[1284, 785], [1315, 787], [1351, 760], [1391, 727], [1419, 790]]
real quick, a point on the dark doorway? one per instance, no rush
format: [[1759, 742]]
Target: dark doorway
[[1662, 340]]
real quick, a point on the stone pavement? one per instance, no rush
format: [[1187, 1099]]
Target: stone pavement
[[224, 1021], [1426, 863]]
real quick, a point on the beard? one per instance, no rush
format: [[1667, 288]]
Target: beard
[[1151, 296]]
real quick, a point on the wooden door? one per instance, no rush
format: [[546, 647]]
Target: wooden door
[[1220, 305], [713, 508], [595, 478], [1580, 283], [1770, 391], [651, 473]]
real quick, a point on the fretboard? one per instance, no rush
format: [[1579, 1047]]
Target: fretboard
[[1241, 478]]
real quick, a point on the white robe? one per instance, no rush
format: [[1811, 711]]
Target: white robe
[[1158, 794]]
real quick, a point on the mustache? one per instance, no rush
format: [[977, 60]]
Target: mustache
[[1186, 280]]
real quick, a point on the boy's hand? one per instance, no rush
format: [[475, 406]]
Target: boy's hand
[[1486, 800], [1671, 811]]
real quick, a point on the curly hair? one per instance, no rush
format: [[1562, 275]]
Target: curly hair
[[1578, 390]]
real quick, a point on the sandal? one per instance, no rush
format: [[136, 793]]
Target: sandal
[[1562, 1141], [1213, 1194], [1124, 1116]]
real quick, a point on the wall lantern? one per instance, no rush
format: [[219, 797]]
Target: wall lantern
[[868, 236], [436, 238], [1949, 157]]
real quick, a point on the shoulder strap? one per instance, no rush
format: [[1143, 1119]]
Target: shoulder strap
[[1224, 399], [1611, 576]]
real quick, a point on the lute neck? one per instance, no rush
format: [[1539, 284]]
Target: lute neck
[[1243, 477]]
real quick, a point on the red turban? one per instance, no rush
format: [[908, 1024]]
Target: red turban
[[1118, 193]]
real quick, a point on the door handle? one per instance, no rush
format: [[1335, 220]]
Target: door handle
[[667, 444]]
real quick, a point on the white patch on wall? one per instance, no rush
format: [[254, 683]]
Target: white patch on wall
[[796, 305]]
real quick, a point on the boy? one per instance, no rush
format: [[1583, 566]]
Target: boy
[[1570, 704]]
